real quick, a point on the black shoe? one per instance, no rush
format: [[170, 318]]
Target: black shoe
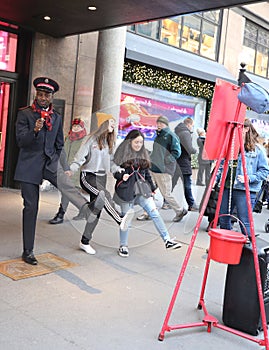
[[29, 258], [58, 219]]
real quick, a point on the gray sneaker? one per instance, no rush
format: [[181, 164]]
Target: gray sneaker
[[180, 215]]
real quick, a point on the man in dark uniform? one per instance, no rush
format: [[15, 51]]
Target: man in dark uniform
[[39, 135]]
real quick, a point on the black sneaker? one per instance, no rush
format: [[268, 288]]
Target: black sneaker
[[171, 244], [123, 251]]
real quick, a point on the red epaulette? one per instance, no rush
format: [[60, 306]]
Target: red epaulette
[[22, 108]]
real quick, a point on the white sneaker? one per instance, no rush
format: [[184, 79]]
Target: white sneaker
[[123, 251], [87, 248], [172, 244], [126, 220], [143, 217]]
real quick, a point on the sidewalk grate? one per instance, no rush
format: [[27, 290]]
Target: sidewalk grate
[[47, 263]]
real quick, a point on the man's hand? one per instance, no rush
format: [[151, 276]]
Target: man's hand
[[39, 124], [69, 173]]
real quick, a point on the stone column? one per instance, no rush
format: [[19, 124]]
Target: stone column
[[108, 72]]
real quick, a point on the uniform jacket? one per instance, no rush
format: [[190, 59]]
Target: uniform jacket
[[166, 149], [38, 151], [184, 161]]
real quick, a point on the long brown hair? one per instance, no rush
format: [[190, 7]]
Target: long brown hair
[[104, 137], [125, 156], [251, 136]]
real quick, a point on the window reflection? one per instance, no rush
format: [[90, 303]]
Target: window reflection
[[191, 34], [196, 33], [170, 31], [150, 29], [209, 40], [8, 49], [255, 49]]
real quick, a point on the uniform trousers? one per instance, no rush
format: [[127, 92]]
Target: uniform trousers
[[30, 195]]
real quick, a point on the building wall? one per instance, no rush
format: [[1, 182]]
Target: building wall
[[260, 9], [71, 62], [232, 39]]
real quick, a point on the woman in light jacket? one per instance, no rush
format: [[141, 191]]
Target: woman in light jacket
[[257, 171]]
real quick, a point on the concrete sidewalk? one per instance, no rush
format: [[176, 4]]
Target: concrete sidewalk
[[109, 302]]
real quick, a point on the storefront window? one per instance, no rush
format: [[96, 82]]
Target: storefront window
[[196, 33], [191, 34], [255, 49], [150, 29], [212, 16], [170, 31], [209, 40], [8, 50]]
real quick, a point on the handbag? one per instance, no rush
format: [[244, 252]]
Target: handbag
[[141, 186], [262, 196], [212, 202], [255, 97]]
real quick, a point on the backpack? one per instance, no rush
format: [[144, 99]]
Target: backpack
[[255, 97]]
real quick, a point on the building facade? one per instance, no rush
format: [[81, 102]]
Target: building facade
[[176, 57]]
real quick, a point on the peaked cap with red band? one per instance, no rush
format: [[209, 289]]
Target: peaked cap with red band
[[46, 84]]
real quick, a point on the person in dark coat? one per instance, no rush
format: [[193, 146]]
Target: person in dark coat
[[184, 169], [39, 135], [204, 164], [165, 153]]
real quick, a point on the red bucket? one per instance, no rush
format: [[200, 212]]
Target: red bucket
[[226, 246]]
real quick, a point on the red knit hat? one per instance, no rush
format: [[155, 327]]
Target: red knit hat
[[78, 121]]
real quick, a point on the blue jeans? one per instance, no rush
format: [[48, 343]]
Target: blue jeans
[[187, 190], [149, 206], [239, 202]]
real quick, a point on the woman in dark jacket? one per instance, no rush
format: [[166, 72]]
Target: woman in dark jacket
[[133, 157]]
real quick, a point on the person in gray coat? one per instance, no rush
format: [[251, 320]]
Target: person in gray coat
[[204, 164]]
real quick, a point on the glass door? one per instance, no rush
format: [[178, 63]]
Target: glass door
[[4, 107]]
